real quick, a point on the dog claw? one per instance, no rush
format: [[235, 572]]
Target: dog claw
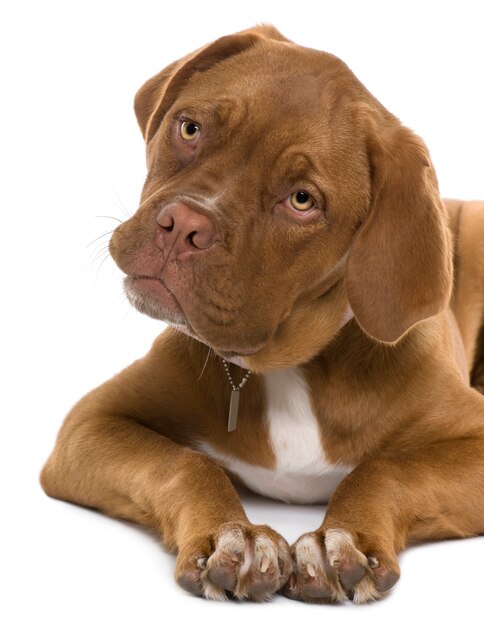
[[310, 570], [264, 564], [373, 562]]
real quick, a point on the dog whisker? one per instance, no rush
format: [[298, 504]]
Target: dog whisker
[[121, 204], [103, 250], [110, 217], [108, 232], [106, 257], [205, 364]]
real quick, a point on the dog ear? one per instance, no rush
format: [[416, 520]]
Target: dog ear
[[399, 268], [156, 96]]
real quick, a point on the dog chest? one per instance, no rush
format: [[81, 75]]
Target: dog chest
[[301, 474]]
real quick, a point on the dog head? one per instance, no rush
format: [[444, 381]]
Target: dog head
[[281, 198]]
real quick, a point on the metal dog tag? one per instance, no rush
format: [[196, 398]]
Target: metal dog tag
[[234, 410]]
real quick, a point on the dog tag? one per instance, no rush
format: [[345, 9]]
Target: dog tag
[[234, 410]]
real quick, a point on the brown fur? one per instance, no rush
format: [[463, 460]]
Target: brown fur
[[390, 387]]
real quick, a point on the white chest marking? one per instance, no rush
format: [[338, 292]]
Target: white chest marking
[[301, 474]]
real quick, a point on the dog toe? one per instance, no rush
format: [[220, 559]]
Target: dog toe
[[330, 567], [364, 578], [313, 580], [243, 562]]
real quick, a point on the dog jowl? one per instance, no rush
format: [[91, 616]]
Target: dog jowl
[[325, 312]]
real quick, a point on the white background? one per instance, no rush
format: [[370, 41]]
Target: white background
[[70, 152]]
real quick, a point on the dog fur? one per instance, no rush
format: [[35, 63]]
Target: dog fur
[[359, 316]]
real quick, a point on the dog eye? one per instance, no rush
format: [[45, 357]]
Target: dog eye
[[189, 131], [301, 201]]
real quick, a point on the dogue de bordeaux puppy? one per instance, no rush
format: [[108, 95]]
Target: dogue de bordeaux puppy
[[325, 341]]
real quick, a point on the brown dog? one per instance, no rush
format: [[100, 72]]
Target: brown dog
[[291, 226]]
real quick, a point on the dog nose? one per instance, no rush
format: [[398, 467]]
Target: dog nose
[[184, 230]]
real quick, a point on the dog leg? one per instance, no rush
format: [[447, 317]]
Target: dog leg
[[386, 503], [126, 470]]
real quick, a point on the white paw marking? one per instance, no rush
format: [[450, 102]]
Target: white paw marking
[[309, 556], [231, 540], [339, 544], [308, 551], [265, 553], [336, 538], [244, 568], [261, 553]]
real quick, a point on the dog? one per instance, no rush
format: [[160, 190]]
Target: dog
[[325, 338]]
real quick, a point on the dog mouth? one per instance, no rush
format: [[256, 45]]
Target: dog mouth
[[150, 295]]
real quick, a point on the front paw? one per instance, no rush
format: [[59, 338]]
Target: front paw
[[330, 567], [241, 560]]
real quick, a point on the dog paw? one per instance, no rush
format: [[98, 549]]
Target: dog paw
[[243, 561], [330, 567]]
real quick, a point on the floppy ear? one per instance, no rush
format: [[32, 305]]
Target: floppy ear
[[399, 269], [156, 96]]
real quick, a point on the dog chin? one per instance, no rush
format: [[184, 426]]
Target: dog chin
[[144, 295], [234, 358], [151, 296]]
